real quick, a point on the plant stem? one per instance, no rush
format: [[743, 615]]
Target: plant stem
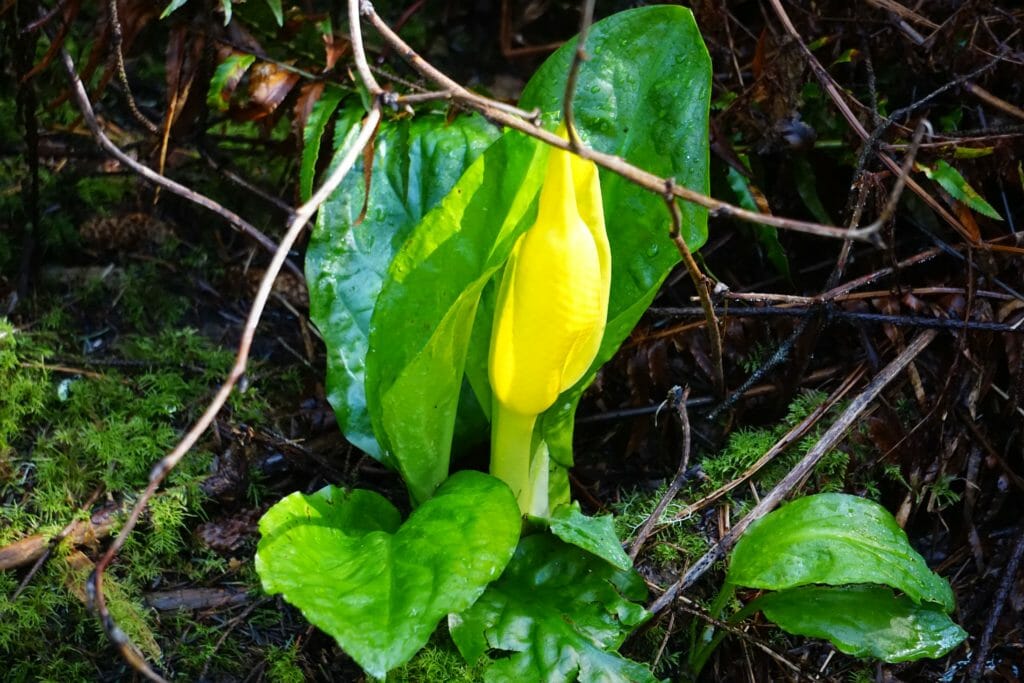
[[511, 436]]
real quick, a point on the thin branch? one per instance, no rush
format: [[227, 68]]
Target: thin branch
[[677, 397], [700, 283], [296, 223], [919, 321], [579, 56], [610, 162], [358, 52], [122, 75], [827, 442]]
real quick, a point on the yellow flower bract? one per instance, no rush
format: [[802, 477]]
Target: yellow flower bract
[[553, 301], [549, 321]]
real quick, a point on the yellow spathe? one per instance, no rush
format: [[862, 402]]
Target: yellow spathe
[[550, 315]]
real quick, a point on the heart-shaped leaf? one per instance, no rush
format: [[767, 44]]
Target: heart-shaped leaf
[[833, 539], [561, 612], [415, 165], [864, 621], [378, 586]]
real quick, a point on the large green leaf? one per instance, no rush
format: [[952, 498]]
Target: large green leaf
[[864, 621], [378, 586], [955, 184], [834, 539], [643, 95], [415, 165], [561, 611], [421, 325]]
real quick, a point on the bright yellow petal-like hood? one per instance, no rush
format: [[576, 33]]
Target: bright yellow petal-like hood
[[553, 300]]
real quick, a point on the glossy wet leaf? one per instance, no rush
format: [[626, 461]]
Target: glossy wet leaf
[[955, 184], [643, 95], [560, 613], [421, 325], [379, 586], [415, 165], [596, 535], [833, 539], [864, 621]]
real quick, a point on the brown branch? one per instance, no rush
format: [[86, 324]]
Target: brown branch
[[677, 397], [579, 56], [117, 43], [803, 468], [700, 283]]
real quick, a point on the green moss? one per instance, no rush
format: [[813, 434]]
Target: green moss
[[66, 435]]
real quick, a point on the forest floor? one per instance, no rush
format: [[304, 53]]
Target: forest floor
[[124, 306]]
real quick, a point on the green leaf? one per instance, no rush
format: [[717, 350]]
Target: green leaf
[[642, 95], [953, 183], [766, 235], [562, 613], [275, 9], [833, 539], [864, 621], [807, 187], [596, 535], [378, 587], [416, 163], [226, 78], [312, 136], [421, 324], [171, 7]]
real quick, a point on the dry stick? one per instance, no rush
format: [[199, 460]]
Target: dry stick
[[700, 283], [579, 56], [677, 397], [788, 439], [617, 165], [295, 225], [122, 75], [85, 106], [358, 52], [802, 469]]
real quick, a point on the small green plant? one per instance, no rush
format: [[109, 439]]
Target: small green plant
[[495, 276], [833, 562]]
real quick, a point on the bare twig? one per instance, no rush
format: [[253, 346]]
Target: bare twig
[[358, 52], [838, 99], [1005, 585], [610, 162], [802, 469], [700, 283], [117, 43], [677, 397], [579, 56], [788, 439]]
